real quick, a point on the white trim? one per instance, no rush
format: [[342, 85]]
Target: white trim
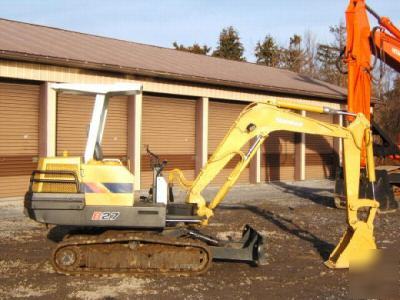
[[204, 136], [338, 142], [114, 89], [51, 120], [257, 158], [137, 139], [301, 155]]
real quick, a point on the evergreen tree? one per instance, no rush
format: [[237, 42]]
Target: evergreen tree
[[229, 45], [195, 48], [267, 52]]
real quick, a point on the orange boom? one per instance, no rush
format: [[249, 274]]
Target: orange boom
[[383, 42]]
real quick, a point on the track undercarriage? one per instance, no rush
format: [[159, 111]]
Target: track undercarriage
[[174, 251], [130, 252]]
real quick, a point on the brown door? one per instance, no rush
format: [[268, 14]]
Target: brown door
[[19, 136], [168, 127], [73, 118], [221, 118], [277, 157], [319, 152]]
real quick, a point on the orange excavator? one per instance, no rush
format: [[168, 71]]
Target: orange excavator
[[383, 42]]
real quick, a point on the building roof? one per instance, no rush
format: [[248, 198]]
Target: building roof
[[29, 42]]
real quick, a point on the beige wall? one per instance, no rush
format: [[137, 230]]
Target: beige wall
[[41, 72], [48, 73]]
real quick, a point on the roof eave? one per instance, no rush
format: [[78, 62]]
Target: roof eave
[[11, 55]]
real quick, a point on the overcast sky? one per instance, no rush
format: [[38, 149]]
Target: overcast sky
[[187, 21]]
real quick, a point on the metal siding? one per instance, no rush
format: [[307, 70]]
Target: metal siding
[[168, 127], [45, 72], [73, 118], [319, 151], [19, 136], [221, 118], [115, 139], [277, 157]]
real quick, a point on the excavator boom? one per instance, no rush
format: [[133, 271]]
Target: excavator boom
[[254, 124], [358, 57], [383, 42]]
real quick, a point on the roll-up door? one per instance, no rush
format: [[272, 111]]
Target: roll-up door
[[168, 127], [19, 136], [277, 157], [319, 152], [221, 118], [73, 118]]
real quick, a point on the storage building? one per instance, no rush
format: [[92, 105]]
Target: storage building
[[188, 103]]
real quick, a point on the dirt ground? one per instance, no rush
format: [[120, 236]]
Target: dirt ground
[[299, 224]]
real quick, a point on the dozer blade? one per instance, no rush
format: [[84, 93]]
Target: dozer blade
[[248, 249], [356, 248]]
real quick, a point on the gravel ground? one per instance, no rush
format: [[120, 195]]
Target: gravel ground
[[298, 222]]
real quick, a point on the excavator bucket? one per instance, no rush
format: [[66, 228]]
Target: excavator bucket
[[356, 248]]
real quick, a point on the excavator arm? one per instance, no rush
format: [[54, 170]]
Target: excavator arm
[[385, 41], [382, 41], [254, 124]]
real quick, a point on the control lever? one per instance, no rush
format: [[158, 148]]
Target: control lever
[[160, 167], [155, 161], [154, 158]]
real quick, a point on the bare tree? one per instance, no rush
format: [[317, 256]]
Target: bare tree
[[328, 55], [310, 65], [293, 56], [387, 113]]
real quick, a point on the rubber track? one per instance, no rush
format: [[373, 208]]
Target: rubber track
[[114, 237]]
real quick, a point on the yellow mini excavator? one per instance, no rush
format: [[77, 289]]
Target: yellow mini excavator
[[156, 235]]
